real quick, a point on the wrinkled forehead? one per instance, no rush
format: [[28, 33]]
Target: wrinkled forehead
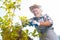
[[36, 9]]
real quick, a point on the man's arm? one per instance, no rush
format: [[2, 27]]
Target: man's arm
[[46, 23]]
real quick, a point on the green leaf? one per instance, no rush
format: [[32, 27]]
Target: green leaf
[[1, 19]]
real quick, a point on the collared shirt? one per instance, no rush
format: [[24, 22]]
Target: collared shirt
[[42, 18]]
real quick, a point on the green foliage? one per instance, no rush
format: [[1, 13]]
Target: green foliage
[[34, 33], [10, 31], [24, 20]]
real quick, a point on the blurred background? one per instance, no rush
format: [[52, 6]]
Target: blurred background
[[50, 7]]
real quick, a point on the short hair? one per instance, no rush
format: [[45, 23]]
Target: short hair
[[34, 6]]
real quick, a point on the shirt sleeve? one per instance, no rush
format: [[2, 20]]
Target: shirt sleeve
[[30, 22], [46, 17]]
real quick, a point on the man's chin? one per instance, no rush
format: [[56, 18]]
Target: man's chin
[[38, 16]]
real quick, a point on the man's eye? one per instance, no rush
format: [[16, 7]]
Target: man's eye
[[33, 11]]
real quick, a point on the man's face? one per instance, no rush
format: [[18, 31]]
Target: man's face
[[36, 12]]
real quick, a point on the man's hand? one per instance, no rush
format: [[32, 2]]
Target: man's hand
[[46, 23]]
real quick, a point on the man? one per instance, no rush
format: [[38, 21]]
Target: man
[[42, 23]]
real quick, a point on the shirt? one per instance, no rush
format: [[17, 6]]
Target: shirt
[[43, 18]]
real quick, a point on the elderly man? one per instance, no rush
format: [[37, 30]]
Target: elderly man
[[42, 23]]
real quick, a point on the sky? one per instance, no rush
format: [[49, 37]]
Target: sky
[[50, 7]]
